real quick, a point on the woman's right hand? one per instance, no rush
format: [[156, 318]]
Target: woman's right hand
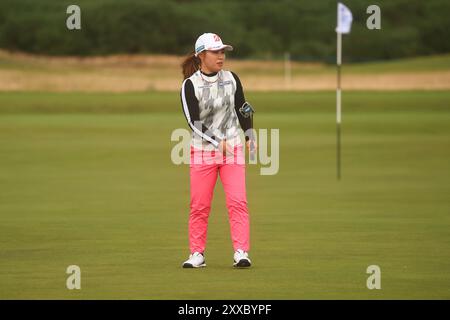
[[225, 148]]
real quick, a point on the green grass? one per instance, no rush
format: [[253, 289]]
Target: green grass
[[409, 65], [86, 179], [433, 63], [419, 64], [413, 66]]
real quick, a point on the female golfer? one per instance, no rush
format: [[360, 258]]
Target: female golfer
[[211, 98]]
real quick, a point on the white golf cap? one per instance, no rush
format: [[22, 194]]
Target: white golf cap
[[210, 41]]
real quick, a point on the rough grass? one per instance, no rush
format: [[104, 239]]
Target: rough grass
[[125, 73]]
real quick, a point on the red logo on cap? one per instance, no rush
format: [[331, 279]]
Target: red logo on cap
[[216, 38]]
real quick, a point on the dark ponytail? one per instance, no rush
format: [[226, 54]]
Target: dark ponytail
[[190, 65]]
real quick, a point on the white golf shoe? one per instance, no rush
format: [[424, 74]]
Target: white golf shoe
[[196, 260], [241, 259]]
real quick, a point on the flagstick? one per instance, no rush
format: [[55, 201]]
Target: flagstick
[[338, 104]]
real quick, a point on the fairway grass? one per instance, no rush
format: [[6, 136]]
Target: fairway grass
[[86, 179]]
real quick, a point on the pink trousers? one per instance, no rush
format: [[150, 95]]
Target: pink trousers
[[204, 167]]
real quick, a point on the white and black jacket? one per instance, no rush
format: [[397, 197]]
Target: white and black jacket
[[211, 105]]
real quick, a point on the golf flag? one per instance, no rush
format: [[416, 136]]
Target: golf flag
[[344, 20], [344, 24]]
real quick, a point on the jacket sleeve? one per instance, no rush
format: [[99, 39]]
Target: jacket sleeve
[[239, 100], [192, 113]]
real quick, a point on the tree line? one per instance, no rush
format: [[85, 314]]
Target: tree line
[[256, 28]]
